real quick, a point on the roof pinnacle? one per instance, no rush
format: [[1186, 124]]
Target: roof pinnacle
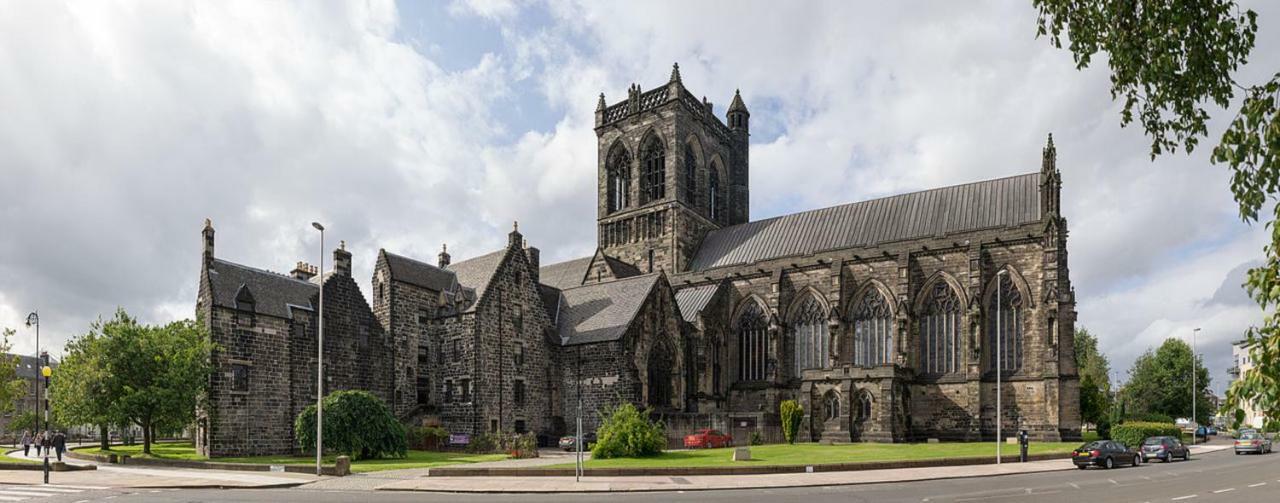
[[675, 72], [600, 104]]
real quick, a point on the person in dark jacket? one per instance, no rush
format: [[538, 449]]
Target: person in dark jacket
[[59, 443], [26, 443]]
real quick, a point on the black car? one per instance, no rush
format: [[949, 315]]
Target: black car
[[1165, 449], [1106, 454]]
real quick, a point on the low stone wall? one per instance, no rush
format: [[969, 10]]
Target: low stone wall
[[726, 470], [334, 470]]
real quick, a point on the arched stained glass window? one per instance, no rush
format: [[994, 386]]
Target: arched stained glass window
[[618, 170], [1004, 316], [872, 330], [753, 340], [690, 175], [810, 335], [940, 330], [654, 158], [713, 193], [831, 405]]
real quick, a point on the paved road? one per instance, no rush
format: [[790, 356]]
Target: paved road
[[1214, 477]]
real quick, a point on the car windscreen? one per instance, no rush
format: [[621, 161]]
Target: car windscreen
[[1249, 436], [1097, 444]]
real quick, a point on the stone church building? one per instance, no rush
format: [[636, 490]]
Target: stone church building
[[887, 319]]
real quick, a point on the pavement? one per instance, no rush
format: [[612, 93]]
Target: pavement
[[113, 476]]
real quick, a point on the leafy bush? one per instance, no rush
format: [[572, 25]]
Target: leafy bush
[[426, 438], [1134, 432], [1104, 429], [356, 423], [626, 432], [757, 438], [792, 415], [1148, 417], [516, 445]]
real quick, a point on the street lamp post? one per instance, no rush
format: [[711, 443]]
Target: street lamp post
[[320, 360], [999, 364], [33, 319], [1194, 424]]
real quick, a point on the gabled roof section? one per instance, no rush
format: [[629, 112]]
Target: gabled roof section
[[692, 300], [476, 274], [551, 301], [619, 268], [567, 274], [416, 272], [1003, 202], [273, 294], [603, 311]]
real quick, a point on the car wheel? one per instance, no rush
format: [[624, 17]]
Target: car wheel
[[1187, 456], [1167, 458], [1137, 460], [1108, 463]]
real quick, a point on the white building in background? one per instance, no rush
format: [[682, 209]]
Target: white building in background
[[1244, 365]]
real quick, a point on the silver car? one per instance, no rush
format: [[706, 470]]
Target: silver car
[[1252, 442]]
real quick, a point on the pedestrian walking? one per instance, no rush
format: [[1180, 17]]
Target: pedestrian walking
[[46, 442], [38, 441], [59, 443], [26, 443]]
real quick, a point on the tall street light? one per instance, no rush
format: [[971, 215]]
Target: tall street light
[[33, 319], [999, 364], [320, 360], [1194, 424]]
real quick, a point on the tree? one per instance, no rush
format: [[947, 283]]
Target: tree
[[1095, 380], [1160, 383], [628, 432], [1169, 61], [11, 387], [356, 423], [82, 391], [792, 414]]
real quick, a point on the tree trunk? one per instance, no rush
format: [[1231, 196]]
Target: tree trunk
[[104, 437], [146, 436]]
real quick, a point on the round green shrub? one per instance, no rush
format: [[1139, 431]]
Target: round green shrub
[[356, 423], [1134, 432], [627, 432]]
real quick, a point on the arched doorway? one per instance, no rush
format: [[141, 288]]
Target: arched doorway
[[659, 376]]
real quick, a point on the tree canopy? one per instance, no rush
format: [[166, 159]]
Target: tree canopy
[[1171, 61], [1160, 383], [11, 387], [1095, 379]]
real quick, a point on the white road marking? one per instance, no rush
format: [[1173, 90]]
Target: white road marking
[[1180, 498], [49, 489], [1220, 491], [1073, 484], [1258, 484], [78, 487], [8, 492], [11, 498]]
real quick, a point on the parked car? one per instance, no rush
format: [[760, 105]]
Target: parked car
[[1105, 453], [707, 439], [1253, 442], [1165, 449], [570, 442], [1213, 431]]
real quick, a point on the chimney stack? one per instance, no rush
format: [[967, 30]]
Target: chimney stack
[[531, 256], [342, 260], [303, 271], [208, 241], [443, 258], [514, 238]]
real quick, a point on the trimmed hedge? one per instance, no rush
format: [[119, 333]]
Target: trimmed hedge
[[1133, 433]]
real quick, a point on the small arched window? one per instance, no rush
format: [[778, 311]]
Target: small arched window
[[1004, 317], [654, 158], [713, 194], [831, 405], [864, 406], [810, 335], [618, 170], [690, 175], [752, 328], [872, 330], [940, 330]]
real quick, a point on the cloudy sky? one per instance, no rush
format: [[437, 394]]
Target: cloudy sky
[[124, 125]]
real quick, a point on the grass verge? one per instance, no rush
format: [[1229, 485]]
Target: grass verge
[[815, 454], [414, 459]]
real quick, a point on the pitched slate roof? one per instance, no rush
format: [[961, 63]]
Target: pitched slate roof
[[550, 301], [621, 269], [567, 274], [938, 212], [603, 311], [416, 272], [273, 293], [692, 300], [476, 273]]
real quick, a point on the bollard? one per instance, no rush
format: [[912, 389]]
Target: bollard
[[46, 469]]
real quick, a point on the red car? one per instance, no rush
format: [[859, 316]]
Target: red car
[[707, 439]]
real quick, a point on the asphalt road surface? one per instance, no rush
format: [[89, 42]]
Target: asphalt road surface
[[1220, 476]]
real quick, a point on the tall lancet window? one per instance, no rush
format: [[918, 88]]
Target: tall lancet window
[[713, 194], [872, 330], [654, 158], [940, 330], [753, 342], [690, 175], [618, 170], [1005, 305], [810, 335]]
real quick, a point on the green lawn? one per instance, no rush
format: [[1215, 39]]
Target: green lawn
[[814, 454], [415, 459]]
